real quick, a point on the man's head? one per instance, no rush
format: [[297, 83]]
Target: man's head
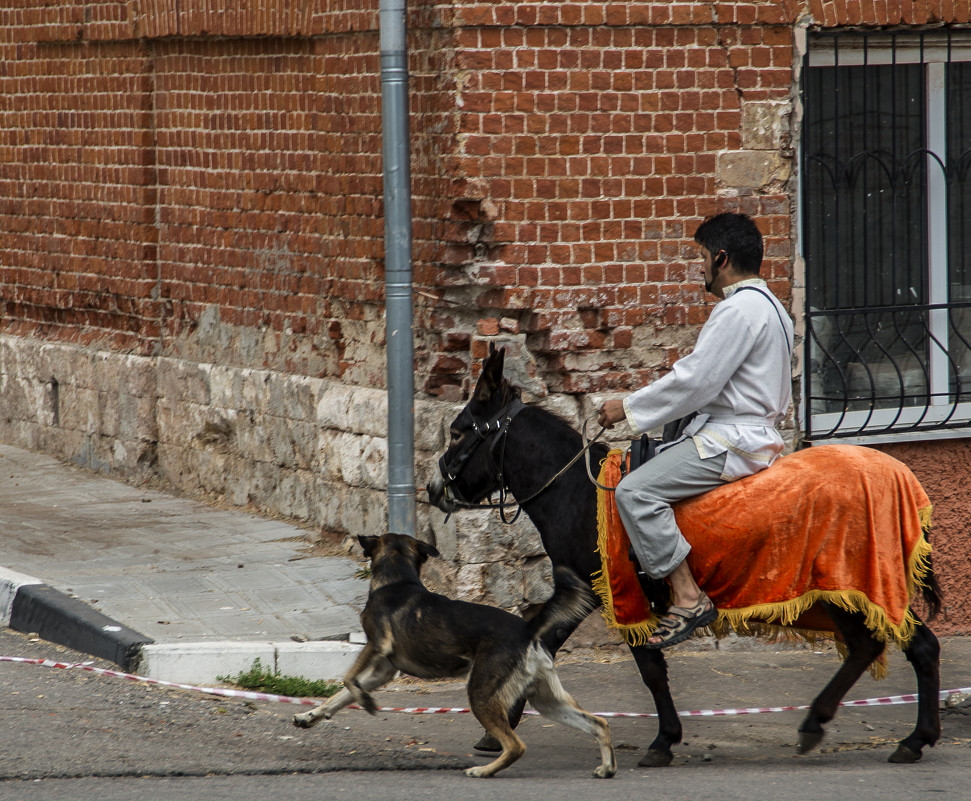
[[733, 239]]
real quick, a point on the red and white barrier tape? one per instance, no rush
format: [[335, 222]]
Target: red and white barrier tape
[[249, 695]]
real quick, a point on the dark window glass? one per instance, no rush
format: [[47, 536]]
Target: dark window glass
[[865, 169]]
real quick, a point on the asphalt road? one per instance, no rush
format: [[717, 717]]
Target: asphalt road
[[72, 734]]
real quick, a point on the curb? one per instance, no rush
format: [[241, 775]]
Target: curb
[[30, 606], [206, 662]]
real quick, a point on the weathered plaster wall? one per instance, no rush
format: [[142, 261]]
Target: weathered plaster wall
[[944, 469]]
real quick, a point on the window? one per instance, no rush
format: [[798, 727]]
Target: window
[[886, 214]]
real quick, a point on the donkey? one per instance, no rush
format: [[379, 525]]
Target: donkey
[[498, 444]]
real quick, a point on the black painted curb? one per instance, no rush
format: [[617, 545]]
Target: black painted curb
[[59, 618]]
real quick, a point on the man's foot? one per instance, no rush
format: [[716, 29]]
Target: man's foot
[[679, 623]]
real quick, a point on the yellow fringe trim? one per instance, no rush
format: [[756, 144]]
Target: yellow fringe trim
[[776, 619]]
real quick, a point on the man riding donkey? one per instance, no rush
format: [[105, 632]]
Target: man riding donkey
[[738, 382]]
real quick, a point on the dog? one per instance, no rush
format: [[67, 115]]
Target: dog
[[430, 636]]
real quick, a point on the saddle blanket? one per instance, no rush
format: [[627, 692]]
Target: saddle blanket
[[842, 524]]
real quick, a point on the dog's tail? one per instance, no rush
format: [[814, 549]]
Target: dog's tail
[[571, 602]]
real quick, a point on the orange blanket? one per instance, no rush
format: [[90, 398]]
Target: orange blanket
[[837, 523]]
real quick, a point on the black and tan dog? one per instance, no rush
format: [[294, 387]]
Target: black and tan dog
[[433, 637]]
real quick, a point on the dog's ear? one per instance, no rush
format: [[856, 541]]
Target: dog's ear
[[491, 378], [368, 544], [425, 550]]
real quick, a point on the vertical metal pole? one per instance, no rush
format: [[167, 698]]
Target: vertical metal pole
[[398, 267]]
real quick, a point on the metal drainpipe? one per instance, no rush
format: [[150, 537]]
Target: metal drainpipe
[[398, 266]]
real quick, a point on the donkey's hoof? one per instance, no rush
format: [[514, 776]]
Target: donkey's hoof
[[904, 755], [488, 743], [655, 759], [808, 740]]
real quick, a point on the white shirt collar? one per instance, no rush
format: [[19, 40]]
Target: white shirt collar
[[730, 290]]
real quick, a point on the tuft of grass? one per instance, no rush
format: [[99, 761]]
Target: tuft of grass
[[261, 679]]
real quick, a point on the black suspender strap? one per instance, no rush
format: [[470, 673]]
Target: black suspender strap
[[775, 308]]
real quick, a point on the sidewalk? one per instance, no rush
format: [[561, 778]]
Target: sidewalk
[[171, 587]]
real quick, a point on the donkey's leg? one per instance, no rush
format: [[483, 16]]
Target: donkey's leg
[[924, 654], [654, 672], [863, 648]]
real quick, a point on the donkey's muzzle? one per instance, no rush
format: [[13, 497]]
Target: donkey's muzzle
[[439, 495]]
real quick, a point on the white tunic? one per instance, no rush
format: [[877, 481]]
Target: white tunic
[[738, 378]]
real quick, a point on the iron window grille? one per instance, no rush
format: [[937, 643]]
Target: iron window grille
[[886, 215]]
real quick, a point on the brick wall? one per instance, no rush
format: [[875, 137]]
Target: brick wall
[[172, 187], [202, 179], [593, 138], [191, 224]]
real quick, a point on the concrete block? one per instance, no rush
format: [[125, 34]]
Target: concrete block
[[328, 661], [765, 125], [10, 582], [226, 387], [432, 419], [203, 662], [184, 381], [354, 409], [752, 169]]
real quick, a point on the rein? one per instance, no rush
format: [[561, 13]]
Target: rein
[[498, 427]]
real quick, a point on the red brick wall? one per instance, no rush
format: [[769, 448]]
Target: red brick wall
[[589, 135], [159, 162], [76, 193], [161, 159]]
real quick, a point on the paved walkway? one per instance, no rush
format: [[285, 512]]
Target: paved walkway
[[211, 589]]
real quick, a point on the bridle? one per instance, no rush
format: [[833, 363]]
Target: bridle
[[496, 429]]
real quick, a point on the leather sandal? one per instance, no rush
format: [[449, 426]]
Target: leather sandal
[[678, 624]]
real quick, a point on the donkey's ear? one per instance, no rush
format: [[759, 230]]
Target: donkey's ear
[[491, 378]]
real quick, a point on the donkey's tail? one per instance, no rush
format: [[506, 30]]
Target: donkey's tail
[[571, 602], [930, 592]]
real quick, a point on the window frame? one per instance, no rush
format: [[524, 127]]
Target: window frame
[[940, 417]]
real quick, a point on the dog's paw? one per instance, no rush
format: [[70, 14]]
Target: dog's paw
[[604, 772], [480, 772], [305, 720]]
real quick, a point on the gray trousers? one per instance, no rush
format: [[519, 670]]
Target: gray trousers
[[644, 499]]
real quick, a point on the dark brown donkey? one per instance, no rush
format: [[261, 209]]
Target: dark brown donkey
[[500, 445]]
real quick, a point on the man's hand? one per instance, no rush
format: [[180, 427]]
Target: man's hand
[[611, 412]]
